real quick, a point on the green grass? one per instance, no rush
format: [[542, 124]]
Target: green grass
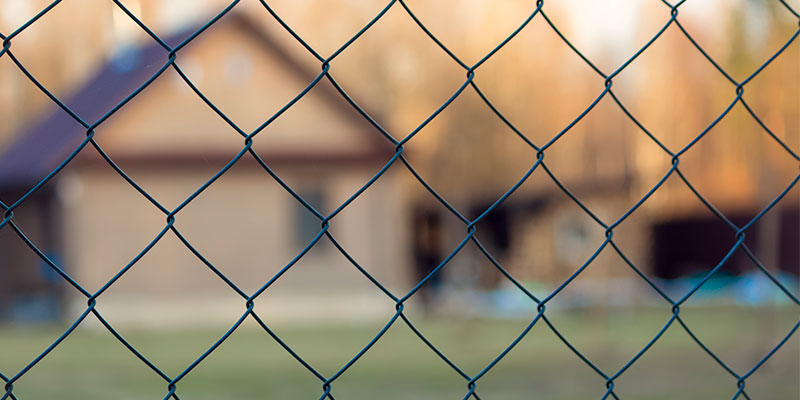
[[91, 364]]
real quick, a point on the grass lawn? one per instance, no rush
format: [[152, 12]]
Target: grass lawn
[[91, 364]]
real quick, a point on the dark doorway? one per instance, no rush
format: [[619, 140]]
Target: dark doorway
[[692, 245]]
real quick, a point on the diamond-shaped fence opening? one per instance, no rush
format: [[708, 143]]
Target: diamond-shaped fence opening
[[487, 241]]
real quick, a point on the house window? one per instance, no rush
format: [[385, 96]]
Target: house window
[[125, 59], [306, 224]]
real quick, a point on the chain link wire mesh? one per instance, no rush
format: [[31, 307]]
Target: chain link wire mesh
[[399, 141]]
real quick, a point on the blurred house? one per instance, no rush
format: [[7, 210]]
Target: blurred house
[[92, 222], [608, 163], [170, 142]]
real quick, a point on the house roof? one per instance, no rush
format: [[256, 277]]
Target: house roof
[[40, 147]]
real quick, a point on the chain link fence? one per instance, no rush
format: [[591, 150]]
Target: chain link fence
[[399, 140]]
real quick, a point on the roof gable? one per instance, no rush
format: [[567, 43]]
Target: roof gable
[[167, 118]]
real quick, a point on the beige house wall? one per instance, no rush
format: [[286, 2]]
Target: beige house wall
[[245, 225]]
